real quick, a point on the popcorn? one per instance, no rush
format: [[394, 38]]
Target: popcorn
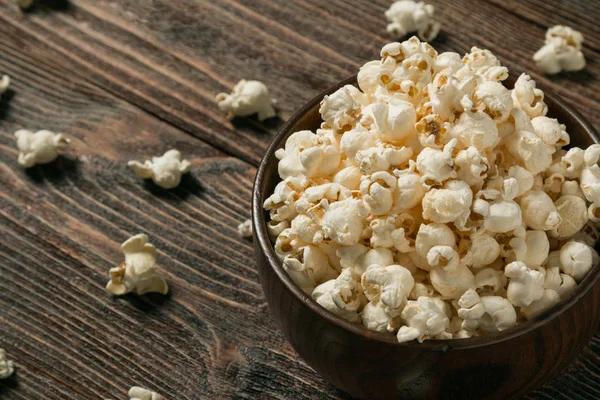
[[343, 221], [424, 319], [471, 166], [247, 98], [431, 235], [245, 229], [408, 16], [577, 258], [573, 212], [374, 316], [482, 250], [525, 285], [378, 192], [489, 280], [435, 203], [561, 51], [308, 267], [342, 296], [483, 63], [381, 158], [562, 284], [309, 155], [7, 367], [549, 299], [488, 313], [530, 151], [447, 95], [306, 229], [409, 191], [523, 177], [395, 121], [165, 171], [533, 249], [356, 139], [340, 109], [390, 284], [4, 83], [367, 77], [436, 166], [528, 98], [138, 393], [550, 131], [539, 211], [589, 182], [476, 129], [494, 99], [377, 256], [452, 283], [450, 204], [138, 272], [40, 147]]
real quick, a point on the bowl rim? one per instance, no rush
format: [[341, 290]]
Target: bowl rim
[[261, 238]]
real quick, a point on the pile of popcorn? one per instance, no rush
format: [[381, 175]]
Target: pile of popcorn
[[434, 202]]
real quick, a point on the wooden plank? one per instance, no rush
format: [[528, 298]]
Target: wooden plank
[[61, 226]]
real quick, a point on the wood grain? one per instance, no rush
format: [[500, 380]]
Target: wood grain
[[129, 79]]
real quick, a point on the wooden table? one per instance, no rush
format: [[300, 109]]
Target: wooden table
[[129, 79]]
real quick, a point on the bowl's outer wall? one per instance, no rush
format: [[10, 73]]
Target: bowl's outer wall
[[372, 369]]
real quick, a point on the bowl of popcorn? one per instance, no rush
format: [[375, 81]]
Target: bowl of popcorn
[[426, 229]]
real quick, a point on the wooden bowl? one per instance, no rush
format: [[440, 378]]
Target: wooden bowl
[[373, 365]]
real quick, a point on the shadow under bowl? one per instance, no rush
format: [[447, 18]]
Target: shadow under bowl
[[373, 365]]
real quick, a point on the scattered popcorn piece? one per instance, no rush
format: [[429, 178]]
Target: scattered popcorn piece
[[165, 171], [407, 16], [4, 83], [424, 319], [7, 367], [138, 272], [448, 198], [247, 98], [561, 51], [245, 229], [138, 393], [40, 147], [577, 258]]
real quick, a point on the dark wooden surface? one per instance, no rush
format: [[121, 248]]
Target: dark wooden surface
[[128, 79]]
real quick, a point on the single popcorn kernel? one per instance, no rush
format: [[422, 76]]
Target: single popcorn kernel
[[138, 272], [434, 202]]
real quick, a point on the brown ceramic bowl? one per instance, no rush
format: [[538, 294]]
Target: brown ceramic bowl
[[373, 365]]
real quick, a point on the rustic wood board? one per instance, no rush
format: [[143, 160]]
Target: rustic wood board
[[129, 79]]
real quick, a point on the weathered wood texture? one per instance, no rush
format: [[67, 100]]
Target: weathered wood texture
[[129, 79]]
